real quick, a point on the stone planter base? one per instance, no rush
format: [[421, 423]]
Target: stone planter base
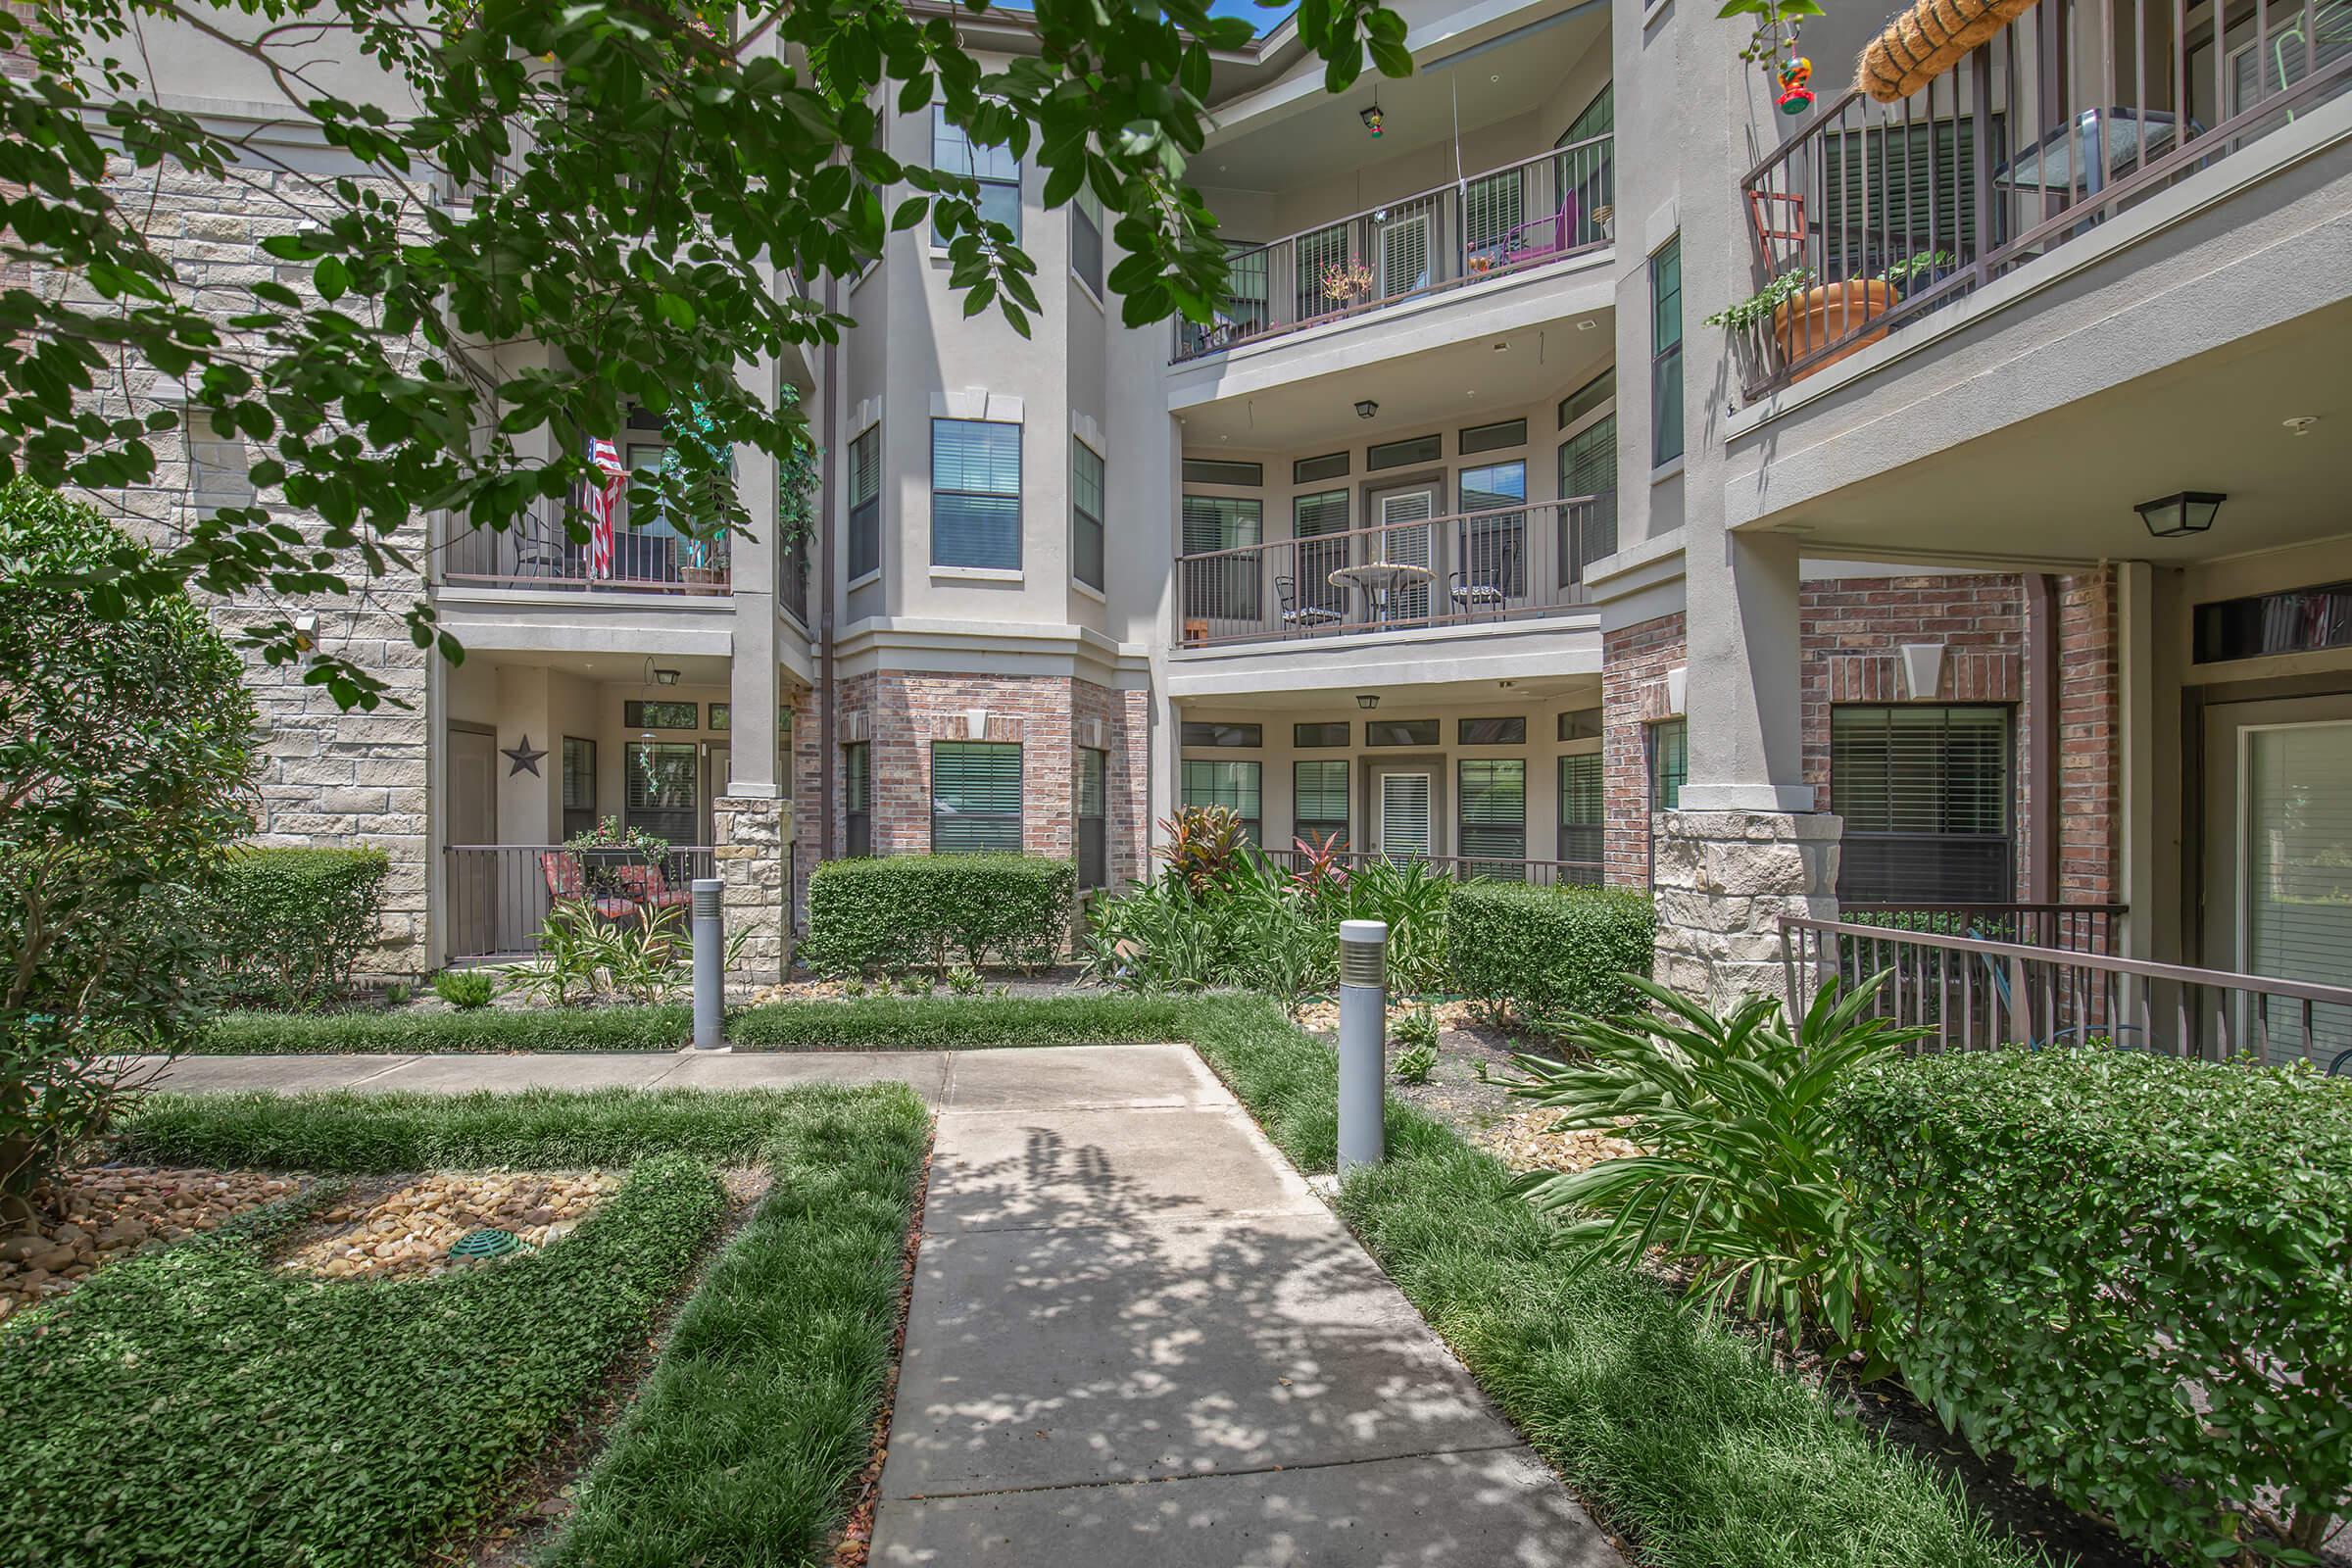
[[1723, 880]]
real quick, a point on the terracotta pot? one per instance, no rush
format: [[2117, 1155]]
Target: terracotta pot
[[1822, 316]]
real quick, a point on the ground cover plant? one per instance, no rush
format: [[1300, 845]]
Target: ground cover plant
[[658, 1027], [2131, 1273], [348, 1422]]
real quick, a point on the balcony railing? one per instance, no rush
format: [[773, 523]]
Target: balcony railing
[[496, 897], [540, 552], [1482, 226], [1501, 564], [1973, 994], [2069, 116], [1464, 867]]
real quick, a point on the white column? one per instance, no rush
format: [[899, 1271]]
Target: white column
[[1744, 649]]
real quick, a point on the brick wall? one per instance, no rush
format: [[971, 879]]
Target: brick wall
[[1853, 630]]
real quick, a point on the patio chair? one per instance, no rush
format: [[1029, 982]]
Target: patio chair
[[2123, 1035], [649, 887], [1473, 598], [1296, 614], [1549, 235], [567, 882]]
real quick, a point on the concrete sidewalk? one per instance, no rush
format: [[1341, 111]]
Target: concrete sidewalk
[[1137, 1337]]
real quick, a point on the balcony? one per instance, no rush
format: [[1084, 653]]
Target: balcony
[[1471, 569], [1478, 229], [1881, 214], [541, 553]]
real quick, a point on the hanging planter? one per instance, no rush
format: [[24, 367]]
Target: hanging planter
[[1923, 42]]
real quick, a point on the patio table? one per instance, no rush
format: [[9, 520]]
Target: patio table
[[1379, 582]]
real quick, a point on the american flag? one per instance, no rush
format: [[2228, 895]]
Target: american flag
[[601, 502]]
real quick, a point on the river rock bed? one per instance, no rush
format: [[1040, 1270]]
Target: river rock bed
[[407, 1230], [111, 1212]]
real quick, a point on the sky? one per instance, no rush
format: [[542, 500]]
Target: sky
[[1258, 14]]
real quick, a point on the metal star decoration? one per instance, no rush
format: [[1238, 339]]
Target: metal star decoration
[[525, 759]]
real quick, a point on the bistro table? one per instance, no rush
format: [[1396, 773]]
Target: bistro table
[[1381, 581]]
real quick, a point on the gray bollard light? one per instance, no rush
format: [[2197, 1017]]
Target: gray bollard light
[[1363, 1039], [710, 965]]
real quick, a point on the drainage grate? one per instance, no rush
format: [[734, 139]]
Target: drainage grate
[[488, 1242]]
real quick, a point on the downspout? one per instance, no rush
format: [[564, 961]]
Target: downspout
[[2041, 734], [828, 704]]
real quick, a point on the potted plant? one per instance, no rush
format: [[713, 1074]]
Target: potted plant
[[1346, 283], [1807, 318]]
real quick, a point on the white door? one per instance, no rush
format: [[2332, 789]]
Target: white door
[[2294, 882], [1405, 256], [1404, 815], [1408, 538]]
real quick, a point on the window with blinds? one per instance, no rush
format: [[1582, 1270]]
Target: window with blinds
[[1086, 515], [579, 785], [1666, 354], [1925, 790], [865, 504], [1319, 802], [1093, 789], [975, 494], [1314, 253], [1589, 468], [858, 795], [1492, 837], [1587, 174], [660, 788], [975, 797], [2297, 865], [1903, 189], [1404, 815], [997, 169], [1239, 787], [1405, 256], [1245, 278], [1493, 208], [1581, 808], [1223, 587], [1493, 545], [1311, 518]]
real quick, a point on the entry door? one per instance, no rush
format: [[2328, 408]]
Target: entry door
[[472, 894], [2278, 861], [1407, 536], [1404, 819]]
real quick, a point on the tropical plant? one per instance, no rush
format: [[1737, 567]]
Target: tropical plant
[[126, 735], [662, 168], [1416, 1028], [1740, 1178], [963, 980], [642, 957], [1759, 306], [1318, 869], [571, 951], [466, 989], [1415, 1065], [1910, 267], [1410, 899], [1202, 845]]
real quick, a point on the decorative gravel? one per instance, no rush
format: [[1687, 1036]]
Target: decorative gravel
[[113, 1211], [408, 1232]]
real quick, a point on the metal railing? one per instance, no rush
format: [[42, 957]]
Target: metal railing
[[1460, 868], [1505, 563], [1973, 994], [2069, 927], [1480, 226], [540, 551], [2064, 118], [496, 897]]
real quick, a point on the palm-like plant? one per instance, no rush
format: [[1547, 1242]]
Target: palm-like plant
[[1739, 1177]]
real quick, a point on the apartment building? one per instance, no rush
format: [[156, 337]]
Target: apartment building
[[1458, 534]]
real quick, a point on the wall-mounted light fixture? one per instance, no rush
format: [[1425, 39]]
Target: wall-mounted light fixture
[[1367, 700], [1366, 408], [655, 676], [2177, 516]]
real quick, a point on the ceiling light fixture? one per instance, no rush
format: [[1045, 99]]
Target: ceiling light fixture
[[1366, 408], [2301, 424], [1367, 700], [2178, 516]]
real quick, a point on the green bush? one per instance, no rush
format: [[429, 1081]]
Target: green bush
[[866, 916], [292, 921], [662, 1027], [466, 989], [2131, 1273], [953, 1023], [1549, 952]]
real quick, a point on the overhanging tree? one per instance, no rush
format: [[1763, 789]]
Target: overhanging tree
[[647, 181]]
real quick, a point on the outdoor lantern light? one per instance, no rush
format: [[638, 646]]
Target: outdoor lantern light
[[655, 676], [1371, 118], [2172, 516], [1366, 408], [1367, 700]]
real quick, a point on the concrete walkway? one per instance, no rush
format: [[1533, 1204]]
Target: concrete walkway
[[1136, 1336]]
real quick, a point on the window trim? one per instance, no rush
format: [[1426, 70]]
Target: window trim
[[1495, 768], [939, 123], [1598, 825], [1941, 787], [1017, 496]]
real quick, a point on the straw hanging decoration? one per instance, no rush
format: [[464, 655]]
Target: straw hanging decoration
[[1932, 37]]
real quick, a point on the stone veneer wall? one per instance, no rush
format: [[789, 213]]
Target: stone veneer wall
[[1724, 880], [326, 777], [749, 858]]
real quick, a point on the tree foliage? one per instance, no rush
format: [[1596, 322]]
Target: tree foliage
[[649, 191], [124, 764]]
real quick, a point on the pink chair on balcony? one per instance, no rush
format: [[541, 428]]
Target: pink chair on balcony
[[1540, 237]]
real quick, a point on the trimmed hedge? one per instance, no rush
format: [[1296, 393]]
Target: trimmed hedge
[[875, 914], [1545, 952], [2131, 1273], [290, 922], [652, 1027], [959, 1023]]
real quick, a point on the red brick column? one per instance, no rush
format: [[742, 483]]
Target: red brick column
[[2088, 709], [1632, 680]]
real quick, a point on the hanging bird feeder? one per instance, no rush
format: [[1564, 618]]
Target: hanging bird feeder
[[1927, 39]]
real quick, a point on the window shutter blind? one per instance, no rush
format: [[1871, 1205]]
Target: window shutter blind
[[1405, 256], [1924, 790], [1493, 838], [1323, 248], [2298, 871], [1404, 815], [975, 494], [975, 796], [1235, 786], [1492, 209], [1581, 808], [1319, 799]]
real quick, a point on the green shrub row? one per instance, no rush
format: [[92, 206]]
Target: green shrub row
[[866, 916], [956, 1023], [292, 921], [1678, 1430], [1548, 953], [289, 1421], [649, 1027], [2131, 1273]]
